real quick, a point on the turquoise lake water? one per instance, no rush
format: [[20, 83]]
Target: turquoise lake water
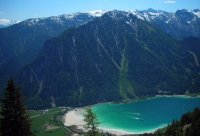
[[143, 115]]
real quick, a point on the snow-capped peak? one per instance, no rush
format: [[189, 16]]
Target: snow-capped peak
[[70, 16], [137, 14], [197, 13], [96, 13]]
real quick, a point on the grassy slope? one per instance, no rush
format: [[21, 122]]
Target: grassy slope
[[48, 122], [126, 87]]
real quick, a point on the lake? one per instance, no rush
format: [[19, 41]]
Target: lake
[[144, 115]]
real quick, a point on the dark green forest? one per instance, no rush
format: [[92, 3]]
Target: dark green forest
[[188, 125], [14, 120]]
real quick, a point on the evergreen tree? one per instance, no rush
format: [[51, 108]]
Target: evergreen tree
[[91, 123], [14, 121]]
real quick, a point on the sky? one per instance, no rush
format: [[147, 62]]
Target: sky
[[24, 9]]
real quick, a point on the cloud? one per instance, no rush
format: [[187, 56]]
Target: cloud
[[4, 21], [169, 1], [7, 22]]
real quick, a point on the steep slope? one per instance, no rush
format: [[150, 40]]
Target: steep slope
[[30, 34], [20, 43], [192, 47], [188, 125], [16, 39], [21, 37], [114, 57]]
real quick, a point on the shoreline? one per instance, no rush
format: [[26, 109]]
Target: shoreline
[[180, 96], [75, 117], [148, 97], [158, 96], [120, 132]]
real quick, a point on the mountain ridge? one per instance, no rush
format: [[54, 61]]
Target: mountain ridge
[[114, 60], [114, 56], [20, 43]]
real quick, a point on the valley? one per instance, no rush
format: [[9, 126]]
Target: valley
[[111, 72], [138, 116]]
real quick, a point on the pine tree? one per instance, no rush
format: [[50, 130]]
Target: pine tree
[[91, 123], [14, 121]]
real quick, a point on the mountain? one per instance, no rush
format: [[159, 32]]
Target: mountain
[[182, 23], [30, 34], [20, 43], [178, 66], [114, 57]]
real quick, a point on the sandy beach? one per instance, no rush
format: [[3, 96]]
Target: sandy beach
[[74, 117]]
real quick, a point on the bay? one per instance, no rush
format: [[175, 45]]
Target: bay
[[144, 115]]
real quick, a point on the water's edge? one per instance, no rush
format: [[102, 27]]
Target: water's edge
[[122, 131]]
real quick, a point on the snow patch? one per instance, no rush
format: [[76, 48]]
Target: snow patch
[[197, 14], [146, 16], [96, 13], [128, 22], [167, 21], [71, 16], [137, 14], [154, 14]]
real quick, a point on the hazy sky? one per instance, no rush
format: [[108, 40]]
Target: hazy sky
[[24, 9]]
